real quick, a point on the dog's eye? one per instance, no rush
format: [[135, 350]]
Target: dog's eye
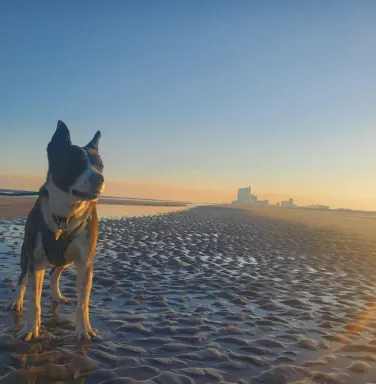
[[100, 165], [95, 161]]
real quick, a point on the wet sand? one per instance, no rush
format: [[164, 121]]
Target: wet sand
[[356, 224], [205, 295]]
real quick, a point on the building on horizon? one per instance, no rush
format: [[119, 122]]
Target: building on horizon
[[288, 204], [262, 203], [244, 196], [318, 206]]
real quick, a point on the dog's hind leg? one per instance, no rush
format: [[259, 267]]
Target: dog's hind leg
[[55, 274], [17, 303]]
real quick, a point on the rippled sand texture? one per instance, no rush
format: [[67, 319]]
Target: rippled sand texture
[[203, 296]]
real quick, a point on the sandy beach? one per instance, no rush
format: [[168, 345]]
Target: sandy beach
[[206, 295], [19, 206]]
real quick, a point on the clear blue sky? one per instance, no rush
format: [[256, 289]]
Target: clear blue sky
[[280, 95]]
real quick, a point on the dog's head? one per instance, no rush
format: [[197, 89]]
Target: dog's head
[[77, 171]]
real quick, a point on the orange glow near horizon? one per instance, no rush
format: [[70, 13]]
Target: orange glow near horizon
[[195, 193]]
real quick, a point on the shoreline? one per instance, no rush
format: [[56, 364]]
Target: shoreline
[[13, 207]]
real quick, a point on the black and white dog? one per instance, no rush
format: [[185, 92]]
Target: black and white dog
[[61, 229]]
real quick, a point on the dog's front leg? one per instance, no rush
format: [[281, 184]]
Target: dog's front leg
[[31, 326], [84, 282]]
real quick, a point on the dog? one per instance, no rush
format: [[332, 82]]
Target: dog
[[61, 229]]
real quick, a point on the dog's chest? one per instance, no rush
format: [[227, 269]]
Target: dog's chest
[[78, 249], [60, 254]]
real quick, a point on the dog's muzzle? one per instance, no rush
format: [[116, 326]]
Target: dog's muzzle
[[96, 181]]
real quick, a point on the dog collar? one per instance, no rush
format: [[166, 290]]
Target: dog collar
[[62, 225], [61, 222]]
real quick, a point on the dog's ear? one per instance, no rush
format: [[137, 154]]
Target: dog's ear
[[61, 136], [94, 143]]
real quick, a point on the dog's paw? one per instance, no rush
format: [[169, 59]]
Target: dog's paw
[[87, 333], [27, 333], [15, 306], [60, 299]]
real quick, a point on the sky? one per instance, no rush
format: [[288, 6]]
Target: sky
[[196, 98]]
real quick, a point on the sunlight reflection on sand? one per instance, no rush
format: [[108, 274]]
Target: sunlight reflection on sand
[[108, 210]]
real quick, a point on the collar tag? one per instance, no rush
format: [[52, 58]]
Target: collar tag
[[58, 234]]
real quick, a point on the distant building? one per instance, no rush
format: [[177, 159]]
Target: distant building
[[244, 195], [318, 206], [288, 204]]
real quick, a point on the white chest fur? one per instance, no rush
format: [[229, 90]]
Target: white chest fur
[[78, 250]]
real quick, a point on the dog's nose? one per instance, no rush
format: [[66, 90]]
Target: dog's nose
[[96, 179]]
